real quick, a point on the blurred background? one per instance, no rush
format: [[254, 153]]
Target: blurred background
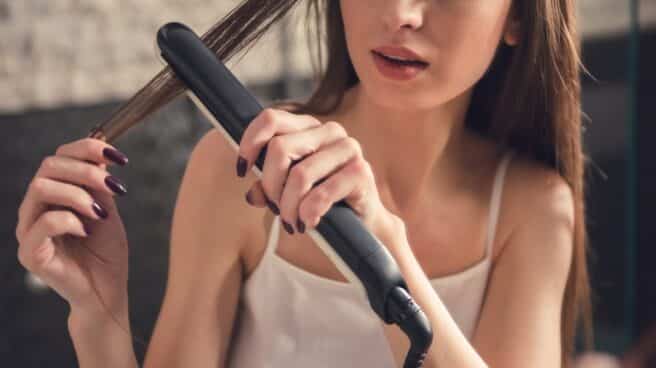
[[65, 65]]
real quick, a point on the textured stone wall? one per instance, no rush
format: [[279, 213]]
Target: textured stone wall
[[60, 52]]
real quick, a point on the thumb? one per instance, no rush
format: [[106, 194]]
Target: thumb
[[255, 195]]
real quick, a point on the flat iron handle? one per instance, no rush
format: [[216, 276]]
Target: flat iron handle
[[357, 253], [235, 107]]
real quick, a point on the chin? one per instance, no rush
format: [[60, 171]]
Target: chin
[[389, 96], [424, 91]]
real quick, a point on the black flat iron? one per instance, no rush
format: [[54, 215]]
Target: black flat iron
[[340, 234]]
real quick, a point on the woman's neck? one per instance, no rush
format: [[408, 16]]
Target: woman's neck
[[409, 150]]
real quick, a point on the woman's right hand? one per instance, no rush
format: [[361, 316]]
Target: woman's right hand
[[70, 192]]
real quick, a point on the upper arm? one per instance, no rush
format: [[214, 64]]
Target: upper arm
[[520, 321], [204, 277]]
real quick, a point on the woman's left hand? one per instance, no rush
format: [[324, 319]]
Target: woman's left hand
[[309, 166]]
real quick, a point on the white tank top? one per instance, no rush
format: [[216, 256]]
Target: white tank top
[[289, 317]]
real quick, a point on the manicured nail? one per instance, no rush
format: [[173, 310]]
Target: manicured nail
[[115, 185], [300, 226], [241, 166], [116, 156], [97, 208], [288, 227], [272, 206], [249, 199]]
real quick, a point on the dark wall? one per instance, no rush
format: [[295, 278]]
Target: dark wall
[[621, 182], [646, 183]]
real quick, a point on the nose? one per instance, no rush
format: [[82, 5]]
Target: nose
[[399, 14]]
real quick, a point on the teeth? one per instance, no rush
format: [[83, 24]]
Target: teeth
[[401, 60], [396, 58]]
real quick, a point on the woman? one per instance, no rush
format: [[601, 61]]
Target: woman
[[427, 112]]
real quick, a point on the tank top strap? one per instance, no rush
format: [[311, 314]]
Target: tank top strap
[[495, 201]]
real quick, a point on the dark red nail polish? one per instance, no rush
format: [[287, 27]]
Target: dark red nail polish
[[97, 208], [86, 229], [300, 226], [272, 206], [241, 166], [249, 199], [115, 185], [116, 156], [288, 227]]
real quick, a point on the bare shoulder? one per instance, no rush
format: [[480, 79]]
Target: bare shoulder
[[216, 186], [529, 277], [208, 232], [547, 192], [538, 199], [248, 226]]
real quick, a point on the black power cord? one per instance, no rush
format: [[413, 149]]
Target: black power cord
[[403, 311]]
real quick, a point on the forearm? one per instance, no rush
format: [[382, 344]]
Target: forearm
[[450, 347], [100, 342]]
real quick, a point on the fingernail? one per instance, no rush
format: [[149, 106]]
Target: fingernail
[[241, 166], [115, 185], [272, 206], [300, 226], [248, 198], [288, 227], [116, 156], [97, 208]]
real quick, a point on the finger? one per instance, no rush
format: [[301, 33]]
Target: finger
[[350, 183], [44, 191], [94, 150], [310, 171], [268, 123], [61, 168], [284, 151], [37, 249], [256, 195], [44, 254], [81, 173]]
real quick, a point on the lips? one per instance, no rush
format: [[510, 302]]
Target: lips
[[400, 55]]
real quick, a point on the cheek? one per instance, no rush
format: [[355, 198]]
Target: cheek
[[470, 47], [361, 23], [358, 18], [465, 44], [472, 28]]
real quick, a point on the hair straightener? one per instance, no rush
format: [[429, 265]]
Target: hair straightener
[[340, 234]]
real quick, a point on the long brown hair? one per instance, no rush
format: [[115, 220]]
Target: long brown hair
[[529, 99]]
